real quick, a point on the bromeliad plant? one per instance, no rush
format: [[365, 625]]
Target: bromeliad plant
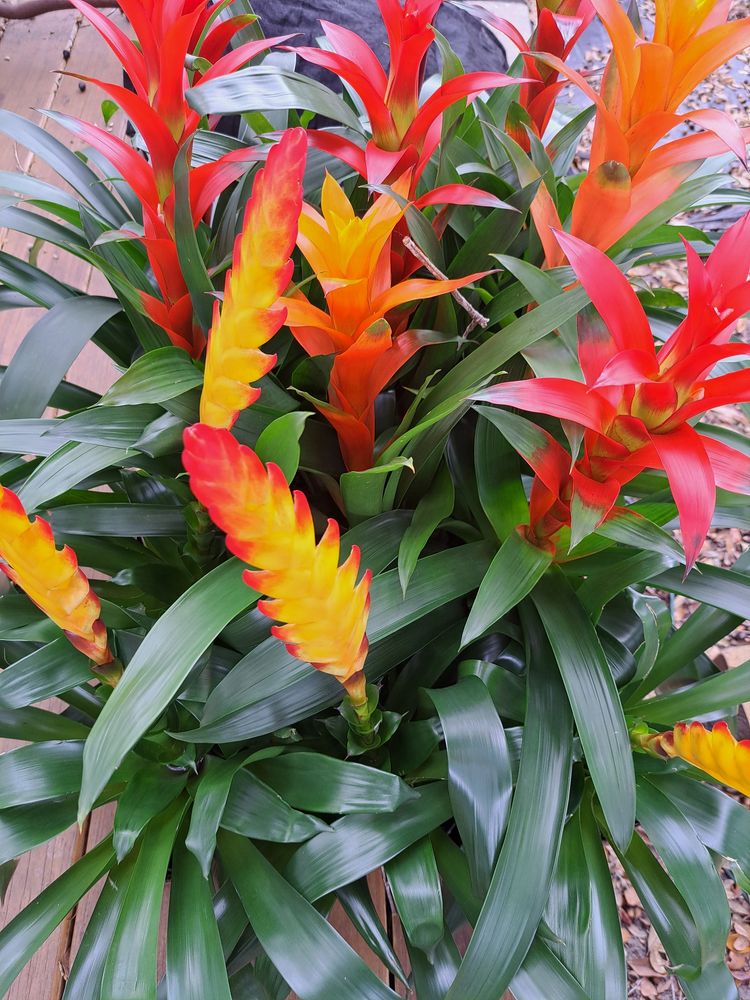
[[347, 614]]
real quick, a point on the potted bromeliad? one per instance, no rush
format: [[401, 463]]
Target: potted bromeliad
[[383, 511]]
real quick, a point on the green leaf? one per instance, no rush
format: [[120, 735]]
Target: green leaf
[[209, 800], [720, 822], [480, 783], [130, 970], [594, 700], [39, 771], [721, 588], [85, 979], [721, 693], [279, 442], [195, 962], [359, 907], [630, 528], [543, 975], [415, 885], [125, 520], [499, 348], [158, 670], [192, 265], [44, 356], [690, 866], [582, 911], [317, 783], [64, 469], [154, 377], [269, 88], [499, 484], [50, 670], [280, 917], [358, 844], [255, 810], [515, 901], [25, 827], [513, 574], [37, 724], [434, 507], [26, 933], [149, 792]]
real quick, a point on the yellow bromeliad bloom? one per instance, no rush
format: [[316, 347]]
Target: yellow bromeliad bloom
[[714, 751], [322, 607], [51, 578], [261, 270]]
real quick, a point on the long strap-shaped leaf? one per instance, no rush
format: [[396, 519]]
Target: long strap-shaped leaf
[[25, 933], [300, 942], [518, 892], [157, 671], [594, 700]]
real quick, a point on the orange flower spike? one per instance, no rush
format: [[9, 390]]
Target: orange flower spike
[[51, 578], [322, 608], [261, 271], [714, 751]]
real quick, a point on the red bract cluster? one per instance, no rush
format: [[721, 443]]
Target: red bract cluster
[[637, 402], [405, 134], [171, 37]]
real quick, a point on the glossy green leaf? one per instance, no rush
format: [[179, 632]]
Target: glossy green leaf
[[37, 724], [269, 88], [358, 905], [690, 866], [195, 962], [39, 771], [318, 783], [434, 507], [85, 979], [47, 671], [209, 799], [144, 520], [149, 792], [520, 883], [154, 377], [594, 701], [720, 693], [280, 915], [415, 886], [130, 969], [582, 912], [44, 356], [279, 442], [544, 975], [513, 574], [158, 670], [65, 468], [358, 844], [721, 588], [479, 776], [498, 475], [255, 810]]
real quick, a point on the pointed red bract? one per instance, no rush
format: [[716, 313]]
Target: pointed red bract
[[636, 401]]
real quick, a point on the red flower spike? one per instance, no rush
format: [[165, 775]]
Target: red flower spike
[[322, 607], [636, 402]]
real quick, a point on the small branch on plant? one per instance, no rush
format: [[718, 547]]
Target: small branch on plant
[[477, 319]]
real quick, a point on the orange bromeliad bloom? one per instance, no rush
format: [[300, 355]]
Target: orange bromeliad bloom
[[714, 751], [632, 168], [366, 325], [261, 270], [322, 607], [51, 578]]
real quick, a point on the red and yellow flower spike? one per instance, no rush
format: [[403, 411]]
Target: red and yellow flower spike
[[261, 270], [322, 607], [51, 578], [714, 751]]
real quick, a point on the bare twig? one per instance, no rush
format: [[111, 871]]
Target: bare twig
[[477, 319]]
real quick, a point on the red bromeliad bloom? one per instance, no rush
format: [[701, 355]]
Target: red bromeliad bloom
[[169, 33], [632, 168], [637, 401], [560, 25], [366, 326], [404, 134]]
